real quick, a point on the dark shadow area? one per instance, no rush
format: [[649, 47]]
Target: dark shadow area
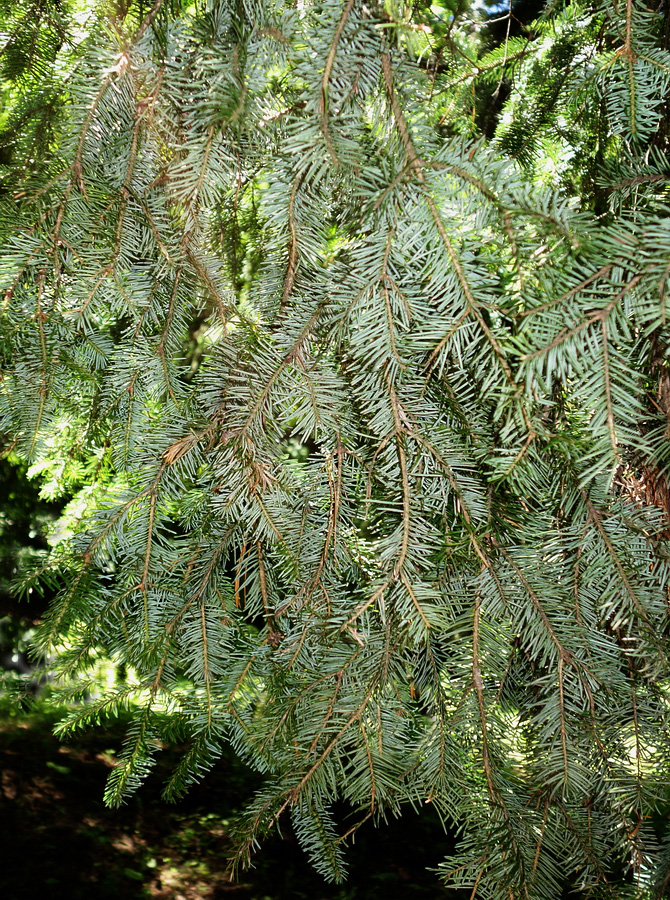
[[60, 842]]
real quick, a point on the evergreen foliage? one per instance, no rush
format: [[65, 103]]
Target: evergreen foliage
[[350, 322]]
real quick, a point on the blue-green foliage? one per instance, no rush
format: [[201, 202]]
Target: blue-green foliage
[[262, 227]]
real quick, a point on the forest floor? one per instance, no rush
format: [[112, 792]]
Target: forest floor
[[60, 841]]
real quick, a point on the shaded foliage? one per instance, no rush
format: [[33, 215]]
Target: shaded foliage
[[51, 796], [357, 402]]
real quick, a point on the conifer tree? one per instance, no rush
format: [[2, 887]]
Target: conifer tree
[[349, 321]]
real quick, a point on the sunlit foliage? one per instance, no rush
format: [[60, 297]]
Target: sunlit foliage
[[347, 322]]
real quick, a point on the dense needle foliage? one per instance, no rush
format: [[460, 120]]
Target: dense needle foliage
[[346, 322]]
